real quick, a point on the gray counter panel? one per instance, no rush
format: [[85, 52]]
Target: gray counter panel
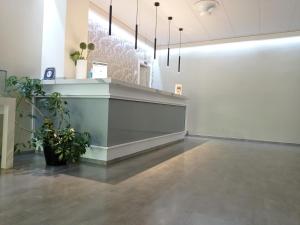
[[131, 121], [91, 115]]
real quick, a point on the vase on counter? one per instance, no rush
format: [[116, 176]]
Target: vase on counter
[[81, 69]]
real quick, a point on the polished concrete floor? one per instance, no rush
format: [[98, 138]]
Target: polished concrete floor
[[195, 182]]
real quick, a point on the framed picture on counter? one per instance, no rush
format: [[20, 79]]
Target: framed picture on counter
[[50, 73], [99, 70], [178, 89]]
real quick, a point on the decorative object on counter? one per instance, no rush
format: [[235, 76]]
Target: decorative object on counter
[[156, 4], [136, 25], [54, 133], [81, 69], [99, 70], [179, 58], [81, 61], [49, 74], [3, 75], [110, 18], [178, 89], [170, 18]]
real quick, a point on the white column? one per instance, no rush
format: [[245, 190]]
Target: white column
[[8, 109], [65, 26]]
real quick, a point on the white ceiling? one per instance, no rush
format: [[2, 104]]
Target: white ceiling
[[233, 18]]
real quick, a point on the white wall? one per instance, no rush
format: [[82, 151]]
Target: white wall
[[21, 36], [65, 26], [116, 50], [33, 37], [76, 31], [239, 90], [53, 46], [21, 24]]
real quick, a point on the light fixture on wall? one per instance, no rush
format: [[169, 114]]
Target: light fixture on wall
[[110, 18], [179, 58], [168, 57], [136, 24], [156, 4]]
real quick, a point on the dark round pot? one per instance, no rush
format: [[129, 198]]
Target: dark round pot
[[51, 158]]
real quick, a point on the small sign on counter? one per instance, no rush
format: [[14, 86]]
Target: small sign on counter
[[99, 70], [178, 89]]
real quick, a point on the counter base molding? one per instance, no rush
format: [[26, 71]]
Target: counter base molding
[[108, 155], [8, 110], [123, 119]]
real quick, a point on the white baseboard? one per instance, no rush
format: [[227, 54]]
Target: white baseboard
[[106, 154]]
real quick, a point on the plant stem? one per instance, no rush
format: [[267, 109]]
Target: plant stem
[[23, 128], [35, 107]]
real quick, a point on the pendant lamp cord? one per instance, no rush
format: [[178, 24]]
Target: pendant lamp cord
[[156, 4], [169, 34], [137, 11], [156, 22], [180, 43]]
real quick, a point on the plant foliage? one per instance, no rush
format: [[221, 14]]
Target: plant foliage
[[77, 55], [52, 113]]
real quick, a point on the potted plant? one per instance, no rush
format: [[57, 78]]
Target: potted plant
[[53, 133], [80, 61]]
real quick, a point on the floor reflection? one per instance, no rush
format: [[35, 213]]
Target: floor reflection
[[34, 164]]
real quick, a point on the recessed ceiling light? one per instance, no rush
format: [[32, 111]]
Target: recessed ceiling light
[[206, 7]]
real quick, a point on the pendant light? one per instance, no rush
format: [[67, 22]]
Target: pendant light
[[110, 18], [170, 18], [179, 59], [156, 4], [136, 24]]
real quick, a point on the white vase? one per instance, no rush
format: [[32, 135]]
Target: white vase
[[81, 69]]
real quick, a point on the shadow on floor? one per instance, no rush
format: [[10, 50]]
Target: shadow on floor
[[34, 164]]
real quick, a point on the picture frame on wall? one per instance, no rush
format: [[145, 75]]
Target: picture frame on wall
[[50, 73]]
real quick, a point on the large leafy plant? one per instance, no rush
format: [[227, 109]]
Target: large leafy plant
[[52, 113]]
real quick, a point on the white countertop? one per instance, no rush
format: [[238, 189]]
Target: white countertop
[[111, 82]]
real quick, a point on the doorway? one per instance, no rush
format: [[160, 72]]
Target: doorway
[[144, 74]]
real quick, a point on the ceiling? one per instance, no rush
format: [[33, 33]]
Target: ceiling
[[232, 18]]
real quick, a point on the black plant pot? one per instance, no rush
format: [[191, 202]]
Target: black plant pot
[[51, 158]]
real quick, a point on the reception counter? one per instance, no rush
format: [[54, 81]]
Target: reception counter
[[124, 119]]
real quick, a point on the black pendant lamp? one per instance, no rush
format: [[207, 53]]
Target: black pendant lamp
[[179, 59], [168, 58], [110, 18], [136, 24], [156, 4]]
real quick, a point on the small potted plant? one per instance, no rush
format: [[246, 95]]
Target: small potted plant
[[80, 60], [53, 133]]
